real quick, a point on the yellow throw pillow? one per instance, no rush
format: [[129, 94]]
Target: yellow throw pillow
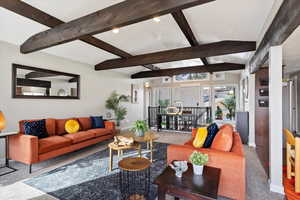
[[72, 126], [200, 137]]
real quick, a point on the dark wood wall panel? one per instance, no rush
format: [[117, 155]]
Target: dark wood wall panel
[[262, 117]]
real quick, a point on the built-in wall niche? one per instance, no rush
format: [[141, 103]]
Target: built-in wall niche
[[36, 83]]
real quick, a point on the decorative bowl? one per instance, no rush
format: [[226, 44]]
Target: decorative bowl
[[179, 167]]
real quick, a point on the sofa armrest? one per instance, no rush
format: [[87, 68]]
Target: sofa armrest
[[23, 148], [111, 126]]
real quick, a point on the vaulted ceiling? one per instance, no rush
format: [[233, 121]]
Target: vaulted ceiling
[[212, 22]]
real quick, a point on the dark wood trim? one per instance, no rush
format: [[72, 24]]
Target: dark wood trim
[[118, 15], [73, 80], [284, 24], [205, 50], [186, 30], [14, 82], [30, 12], [195, 69]]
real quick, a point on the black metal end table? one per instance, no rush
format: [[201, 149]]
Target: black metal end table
[[6, 137]]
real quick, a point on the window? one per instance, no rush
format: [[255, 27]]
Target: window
[[192, 77]]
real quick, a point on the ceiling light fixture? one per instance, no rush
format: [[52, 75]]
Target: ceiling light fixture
[[116, 30], [156, 19]]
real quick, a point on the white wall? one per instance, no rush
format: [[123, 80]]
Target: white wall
[[95, 88]]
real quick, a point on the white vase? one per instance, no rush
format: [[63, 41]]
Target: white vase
[[198, 169]]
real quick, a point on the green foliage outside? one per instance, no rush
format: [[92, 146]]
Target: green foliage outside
[[113, 103], [230, 104], [164, 103], [198, 158]]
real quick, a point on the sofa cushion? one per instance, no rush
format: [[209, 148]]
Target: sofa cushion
[[50, 126], [224, 139], [212, 131], [72, 126], [200, 137], [85, 123], [100, 131], [52, 143], [60, 126], [97, 122], [80, 136], [36, 128]]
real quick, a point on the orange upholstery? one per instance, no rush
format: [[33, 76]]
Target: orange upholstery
[[85, 123], [52, 143], [80, 136], [29, 149], [50, 125], [232, 165], [100, 131], [60, 126], [24, 148], [224, 139]]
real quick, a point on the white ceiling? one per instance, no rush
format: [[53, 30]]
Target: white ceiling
[[219, 20]]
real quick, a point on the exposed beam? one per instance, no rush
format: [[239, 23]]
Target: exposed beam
[[205, 50], [73, 80], [283, 25], [186, 30], [30, 12], [38, 75], [118, 15], [183, 70]]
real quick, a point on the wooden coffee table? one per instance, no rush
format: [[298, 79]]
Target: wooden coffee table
[[113, 147], [190, 186]]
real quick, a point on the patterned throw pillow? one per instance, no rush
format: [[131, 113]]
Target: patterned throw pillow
[[36, 128], [72, 126], [97, 122]]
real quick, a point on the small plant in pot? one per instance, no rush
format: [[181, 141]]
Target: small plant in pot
[[140, 127], [198, 160]]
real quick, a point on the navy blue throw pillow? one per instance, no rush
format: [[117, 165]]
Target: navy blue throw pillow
[[36, 128], [212, 130], [97, 122]]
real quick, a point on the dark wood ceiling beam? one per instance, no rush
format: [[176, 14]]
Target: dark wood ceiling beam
[[195, 69], [30, 12], [39, 75], [205, 50], [118, 15], [283, 25], [186, 30]]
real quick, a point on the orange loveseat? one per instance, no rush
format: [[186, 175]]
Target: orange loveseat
[[232, 164], [30, 149]]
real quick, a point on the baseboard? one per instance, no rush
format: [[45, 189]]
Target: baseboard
[[276, 189], [251, 144]]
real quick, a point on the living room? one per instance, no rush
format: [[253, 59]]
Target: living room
[[149, 99]]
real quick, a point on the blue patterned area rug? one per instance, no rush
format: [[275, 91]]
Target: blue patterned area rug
[[89, 178]]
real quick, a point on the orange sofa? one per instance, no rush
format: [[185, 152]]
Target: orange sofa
[[232, 165], [30, 149]]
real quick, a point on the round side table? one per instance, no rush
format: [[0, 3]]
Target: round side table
[[134, 178]]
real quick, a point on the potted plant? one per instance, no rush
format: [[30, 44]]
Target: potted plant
[[198, 160], [140, 127], [163, 125], [113, 103]]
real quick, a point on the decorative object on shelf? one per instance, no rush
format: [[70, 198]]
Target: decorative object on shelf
[[123, 141], [2, 121], [134, 93], [72, 126], [198, 160], [180, 167], [140, 127], [113, 103], [61, 93]]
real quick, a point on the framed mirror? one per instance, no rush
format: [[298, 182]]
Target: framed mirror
[[36, 83]]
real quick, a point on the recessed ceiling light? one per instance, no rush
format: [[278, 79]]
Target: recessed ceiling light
[[116, 30], [156, 19]]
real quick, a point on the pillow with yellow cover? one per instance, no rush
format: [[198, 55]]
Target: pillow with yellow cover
[[72, 126], [200, 137]]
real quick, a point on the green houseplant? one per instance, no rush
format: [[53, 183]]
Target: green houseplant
[[140, 127], [198, 160], [113, 103]]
